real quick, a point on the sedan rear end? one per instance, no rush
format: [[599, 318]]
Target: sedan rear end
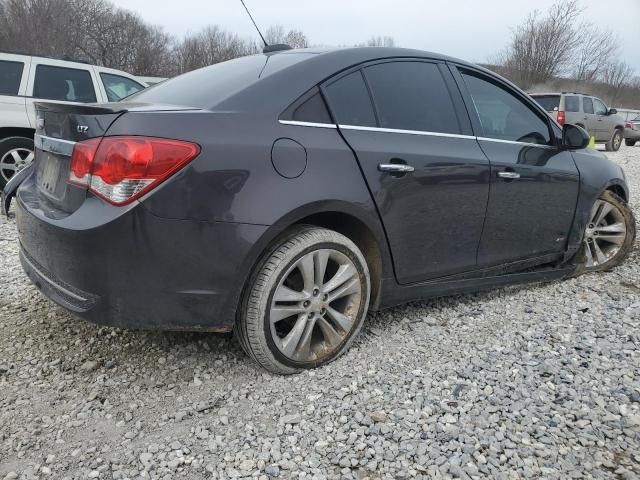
[[90, 243], [632, 132]]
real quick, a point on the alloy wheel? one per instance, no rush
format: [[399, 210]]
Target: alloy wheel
[[13, 161], [605, 233], [617, 141], [315, 305]]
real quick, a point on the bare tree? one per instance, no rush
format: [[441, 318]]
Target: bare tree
[[542, 46], [378, 41], [616, 75], [595, 49], [276, 34]]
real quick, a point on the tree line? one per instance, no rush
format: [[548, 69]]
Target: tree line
[[554, 50], [98, 32], [559, 49]]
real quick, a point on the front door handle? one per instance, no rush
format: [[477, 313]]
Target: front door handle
[[395, 168], [509, 175]]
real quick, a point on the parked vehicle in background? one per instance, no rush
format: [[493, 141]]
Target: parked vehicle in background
[[151, 81], [587, 112], [24, 79], [284, 195], [628, 114], [632, 131]]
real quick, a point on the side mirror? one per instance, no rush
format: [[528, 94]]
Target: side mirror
[[612, 111], [574, 137]]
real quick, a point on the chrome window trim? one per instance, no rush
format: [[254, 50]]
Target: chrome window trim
[[514, 142], [406, 132], [54, 145], [307, 124]]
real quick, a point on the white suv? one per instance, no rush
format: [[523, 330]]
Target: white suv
[[26, 79]]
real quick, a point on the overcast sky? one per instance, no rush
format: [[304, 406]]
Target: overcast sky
[[473, 30]]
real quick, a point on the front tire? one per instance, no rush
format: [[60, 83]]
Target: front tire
[[613, 145], [609, 235], [15, 154], [306, 302]]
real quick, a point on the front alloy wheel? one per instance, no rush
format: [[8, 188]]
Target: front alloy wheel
[[306, 303], [610, 233]]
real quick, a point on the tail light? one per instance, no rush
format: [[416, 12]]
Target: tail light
[[628, 125], [122, 169], [561, 117]]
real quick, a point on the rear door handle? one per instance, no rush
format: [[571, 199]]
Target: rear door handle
[[509, 175], [395, 168]]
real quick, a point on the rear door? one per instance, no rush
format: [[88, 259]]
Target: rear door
[[426, 172], [534, 184], [590, 116], [605, 123]]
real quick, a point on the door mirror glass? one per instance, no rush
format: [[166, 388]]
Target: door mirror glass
[[613, 111], [574, 137]]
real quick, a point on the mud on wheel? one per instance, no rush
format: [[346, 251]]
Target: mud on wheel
[[609, 235], [306, 302]]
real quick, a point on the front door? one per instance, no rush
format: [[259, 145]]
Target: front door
[[604, 123], [534, 183], [425, 170]]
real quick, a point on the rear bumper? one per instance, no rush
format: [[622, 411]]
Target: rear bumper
[[135, 270], [631, 134]]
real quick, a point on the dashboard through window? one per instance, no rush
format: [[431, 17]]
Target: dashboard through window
[[503, 116]]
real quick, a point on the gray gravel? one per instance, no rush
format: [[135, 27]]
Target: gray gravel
[[539, 381]]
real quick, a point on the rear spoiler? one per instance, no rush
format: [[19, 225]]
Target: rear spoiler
[[105, 108]]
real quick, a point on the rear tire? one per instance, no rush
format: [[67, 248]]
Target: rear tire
[[609, 236], [613, 145], [15, 154], [306, 302], [630, 143]]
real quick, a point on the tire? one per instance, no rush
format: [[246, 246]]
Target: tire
[[629, 143], [279, 346], [613, 145], [15, 154], [613, 253]]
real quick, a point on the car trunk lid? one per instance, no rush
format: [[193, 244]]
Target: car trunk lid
[[58, 128]]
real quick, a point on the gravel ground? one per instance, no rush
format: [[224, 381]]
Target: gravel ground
[[539, 381]]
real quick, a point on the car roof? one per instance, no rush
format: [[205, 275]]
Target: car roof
[[287, 84]]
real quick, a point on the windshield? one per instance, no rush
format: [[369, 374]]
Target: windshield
[[548, 102], [209, 86]]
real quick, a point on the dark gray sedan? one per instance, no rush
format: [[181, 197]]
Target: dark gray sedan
[[632, 132], [285, 195]]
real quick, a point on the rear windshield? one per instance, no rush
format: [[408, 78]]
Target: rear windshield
[[548, 102], [209, 86]]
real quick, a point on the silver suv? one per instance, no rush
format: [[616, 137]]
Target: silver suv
[[588, 112]]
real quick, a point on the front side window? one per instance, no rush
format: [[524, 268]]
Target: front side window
[[350, 102], [571, 103], [10, 76], [587, 103], [118, 87], [503, 116], [412, 96], [599, 107], [59, 83]]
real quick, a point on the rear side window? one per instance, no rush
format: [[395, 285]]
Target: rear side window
[[548, 102], [310, 108], [10, 75], [503, 115], [350, 101], [587, 104], [59, 83], [412, 96], [571, 103], [119, 87]]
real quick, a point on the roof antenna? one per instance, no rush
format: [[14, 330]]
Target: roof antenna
[[267, 48], [254, 23]]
